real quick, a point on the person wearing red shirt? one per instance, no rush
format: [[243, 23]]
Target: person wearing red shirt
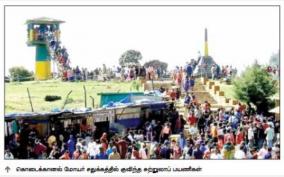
[[239, 136], [220, 142], [265, 125], [179, 124], [229, 136], [192, 119], [173, 95], [39, 149]]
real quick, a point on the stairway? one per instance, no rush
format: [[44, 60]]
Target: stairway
[[58, 54], [201, 95]]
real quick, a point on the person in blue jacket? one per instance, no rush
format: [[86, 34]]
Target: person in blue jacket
[[71, 145]]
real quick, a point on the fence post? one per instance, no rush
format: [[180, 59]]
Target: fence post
[[66, 99], [85, 96], [93, 101], [30, 100]]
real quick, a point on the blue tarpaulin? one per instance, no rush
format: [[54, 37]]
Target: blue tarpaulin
[[116, 97]]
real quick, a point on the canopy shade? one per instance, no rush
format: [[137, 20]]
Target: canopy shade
[[275, 110], [44, 20]]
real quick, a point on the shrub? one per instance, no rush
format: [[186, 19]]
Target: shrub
[[52, 98]]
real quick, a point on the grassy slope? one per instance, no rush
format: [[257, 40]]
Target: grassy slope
[[229, 91], [16, 97]]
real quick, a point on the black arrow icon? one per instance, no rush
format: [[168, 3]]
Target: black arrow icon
[[7, 169]]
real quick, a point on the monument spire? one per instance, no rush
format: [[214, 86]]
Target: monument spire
[[206, 44]]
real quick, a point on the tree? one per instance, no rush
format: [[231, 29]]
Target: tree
[[20, 74], [256, 86], [157, 64], [130, 57]]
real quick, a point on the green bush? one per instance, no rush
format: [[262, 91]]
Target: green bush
[[52, 98], [20, 74], [256, 86]]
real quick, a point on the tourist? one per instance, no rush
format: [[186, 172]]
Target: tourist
[[71, 145], [65, 156], [101, 154], [192, 119], [215, 154], [104, 141], [84, 155], [239, 153], [8, 155], [92, 149], [186, 84], [240, 136], [213, 71], [121, 145], [76, 153], [201, 122], [114, 155], [276, 152], [187, 101], [39, 149], [149, 131], [182, 141], [179, 124], [135, 153], [197, 153], [269, 136], [262, 152], [268, 155], [214, 132], [192, 83], [143, 151], [165, 132], [188, 69], [165, 151], [228, 150], [176, 150]]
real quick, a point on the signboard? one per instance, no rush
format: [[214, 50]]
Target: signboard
[[103, 115], [128, 113], [128, 110]]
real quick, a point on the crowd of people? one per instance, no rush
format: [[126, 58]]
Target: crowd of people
[[50, 34], [199, 133], [238, 133], [110, 73]]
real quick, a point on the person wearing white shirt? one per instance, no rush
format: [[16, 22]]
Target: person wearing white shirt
[[240, 154], [130, 136], [269, 135], [185, 154], [215, 154], [8, 155], [92, 149], [250, 133], [262, 152]]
